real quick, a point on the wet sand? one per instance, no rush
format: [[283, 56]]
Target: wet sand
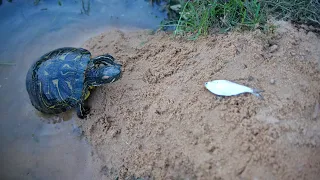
[[159, 121]]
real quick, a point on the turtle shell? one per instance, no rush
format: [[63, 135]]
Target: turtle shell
[[55, 83]]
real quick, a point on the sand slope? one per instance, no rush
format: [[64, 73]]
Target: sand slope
[[159, 121]]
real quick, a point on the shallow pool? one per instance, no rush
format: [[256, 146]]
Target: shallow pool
[[31, 146]]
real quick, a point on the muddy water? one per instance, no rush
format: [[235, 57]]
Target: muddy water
[[31, 146]]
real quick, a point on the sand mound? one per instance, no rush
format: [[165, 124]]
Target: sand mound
[[160, 122]]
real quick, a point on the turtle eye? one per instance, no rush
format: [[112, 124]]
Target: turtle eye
[[105, 77], [100, 65]]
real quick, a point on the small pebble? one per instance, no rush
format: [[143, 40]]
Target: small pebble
[[316, 111], [272, 81], [293, 53], [311, 28], [250, 78], [273, 48], [251, 147]]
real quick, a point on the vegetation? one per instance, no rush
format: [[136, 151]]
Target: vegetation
[[196, 17], [299, 11]]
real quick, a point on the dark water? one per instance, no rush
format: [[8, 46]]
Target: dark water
[[31, 148]]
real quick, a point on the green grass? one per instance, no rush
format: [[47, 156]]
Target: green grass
[[197, 17], [299, 11]]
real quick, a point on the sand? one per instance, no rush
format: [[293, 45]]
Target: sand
[[159, 122]]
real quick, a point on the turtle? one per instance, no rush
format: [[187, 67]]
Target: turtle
[[61, 79]]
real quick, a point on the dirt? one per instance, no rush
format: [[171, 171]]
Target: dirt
[[159, 122]]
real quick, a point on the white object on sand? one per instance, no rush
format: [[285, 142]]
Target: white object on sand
[[228, 88]]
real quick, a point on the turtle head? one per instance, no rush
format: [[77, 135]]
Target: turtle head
[[105, 71], [110, 74]]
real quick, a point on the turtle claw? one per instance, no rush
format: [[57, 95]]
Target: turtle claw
[[81, 116], [83, 111], [87, 110]]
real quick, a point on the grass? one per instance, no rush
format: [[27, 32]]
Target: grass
[[298, 11], [198, 17]]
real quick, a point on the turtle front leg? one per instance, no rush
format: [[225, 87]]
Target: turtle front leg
[[83, 110]]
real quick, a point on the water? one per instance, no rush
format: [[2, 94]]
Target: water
[[31, 148]]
